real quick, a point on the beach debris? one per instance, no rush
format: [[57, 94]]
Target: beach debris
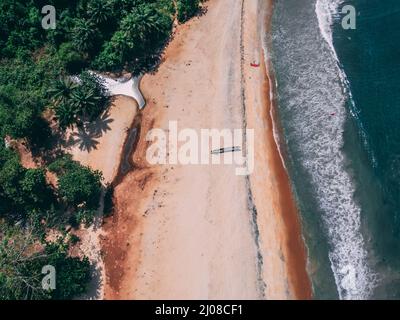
[[254, 64], [228, 149]]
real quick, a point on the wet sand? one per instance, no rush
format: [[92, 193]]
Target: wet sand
[[201, 232], [277, 217]]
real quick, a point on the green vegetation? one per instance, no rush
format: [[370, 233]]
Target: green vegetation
[[27, 198], [79, 188], [22, 258], [21, 190], [19, 112], [45, 88], [186, 9], [104, 35], [76, 103], [138, 39]]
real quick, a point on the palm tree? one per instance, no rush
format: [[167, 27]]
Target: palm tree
[[66, 115], [62, 89], [86, 103], [84, 35], [99, 11], [142, 22]]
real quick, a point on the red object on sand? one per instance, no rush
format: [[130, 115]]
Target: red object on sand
[[332, 114], [253, 64]]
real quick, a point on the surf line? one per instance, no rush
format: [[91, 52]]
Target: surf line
[[250, 200]]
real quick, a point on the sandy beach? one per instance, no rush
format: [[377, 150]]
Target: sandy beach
[[200, 231], [101, 145]]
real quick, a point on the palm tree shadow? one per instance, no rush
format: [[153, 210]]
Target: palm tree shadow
[[85, 141], [100, 126], [87, 136]]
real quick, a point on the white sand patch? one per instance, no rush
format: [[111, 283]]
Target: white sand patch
[[129, 88]]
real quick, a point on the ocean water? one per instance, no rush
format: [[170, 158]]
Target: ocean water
[[339, 108]]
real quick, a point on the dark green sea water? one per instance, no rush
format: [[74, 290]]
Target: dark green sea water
[[339, 106], [370, 56]]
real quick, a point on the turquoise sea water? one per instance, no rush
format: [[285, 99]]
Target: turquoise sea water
[[338, 93]]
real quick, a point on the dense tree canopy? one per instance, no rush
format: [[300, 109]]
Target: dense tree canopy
[[186, 9], [21, 190], [77, 102], [22, 258], [18, 112], [79, 186], [139, 37], [105, 35]]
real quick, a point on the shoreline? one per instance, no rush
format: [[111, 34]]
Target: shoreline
[[298, 254], [301, 281], [139, 240], [286, 214]]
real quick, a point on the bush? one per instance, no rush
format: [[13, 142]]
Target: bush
[[21, 190], [187, 9], [72, 273], [21, 265], [85, 217], [79, 186], [137, 43], [62, 165], [19, 112], [72, 60], [36, 192], [109, 58], [11, 173]]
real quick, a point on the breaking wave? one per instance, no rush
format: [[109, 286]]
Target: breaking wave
[[353, 277], [313, 92]]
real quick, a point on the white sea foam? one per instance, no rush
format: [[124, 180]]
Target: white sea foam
[[275, 133], [326, 11], [348, 256]]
